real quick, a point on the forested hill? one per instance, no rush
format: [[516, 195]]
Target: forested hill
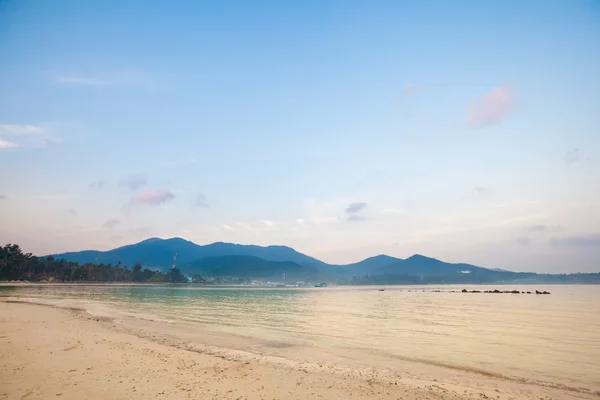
[[150, 261]]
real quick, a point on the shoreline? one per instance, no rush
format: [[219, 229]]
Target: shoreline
[[332, 286], [408, 380]]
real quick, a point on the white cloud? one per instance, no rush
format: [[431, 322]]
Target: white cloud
[[228, 227], [20, 130], [492, 107], [27, 136], [5, 144]]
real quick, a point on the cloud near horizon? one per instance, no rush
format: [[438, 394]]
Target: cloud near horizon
[[228, 227], [492, 107], [592, 240], [356, 218], [152, 197], [354, 210], [111, 224], [3, 197]]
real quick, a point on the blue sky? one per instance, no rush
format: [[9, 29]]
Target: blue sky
[[467, 131]]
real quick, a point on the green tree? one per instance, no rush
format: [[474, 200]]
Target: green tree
[[136, 273], [176, 276]]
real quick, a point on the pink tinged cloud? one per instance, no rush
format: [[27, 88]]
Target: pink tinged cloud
[[5, 144], [152, 197], [492, 107]]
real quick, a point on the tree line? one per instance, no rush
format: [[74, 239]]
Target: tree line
[[17, 265]]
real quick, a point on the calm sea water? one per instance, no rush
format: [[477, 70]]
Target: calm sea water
[[547, 338]]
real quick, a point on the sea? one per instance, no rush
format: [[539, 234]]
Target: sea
[[550, 340]]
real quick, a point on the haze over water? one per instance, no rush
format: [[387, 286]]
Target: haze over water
[[551, 339]]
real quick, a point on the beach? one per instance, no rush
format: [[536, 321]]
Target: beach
[[49, 352]]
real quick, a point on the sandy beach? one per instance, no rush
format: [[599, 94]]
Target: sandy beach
[[48, 352]]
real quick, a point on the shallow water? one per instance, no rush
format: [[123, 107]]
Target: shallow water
[[551, 339]]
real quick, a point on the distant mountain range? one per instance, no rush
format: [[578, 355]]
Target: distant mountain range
[[158, 253], [272, 262]]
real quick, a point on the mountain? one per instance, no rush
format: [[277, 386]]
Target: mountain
[[269, 253], [158, 253], [250, 267], [270, 262], [364, 267], [419, 265], [419, 269]]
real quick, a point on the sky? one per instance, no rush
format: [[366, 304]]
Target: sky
[[467, 131]]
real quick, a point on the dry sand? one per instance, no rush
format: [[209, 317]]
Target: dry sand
[[46, 352]]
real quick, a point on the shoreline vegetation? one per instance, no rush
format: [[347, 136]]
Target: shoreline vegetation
[[100, 358], [16, 265]]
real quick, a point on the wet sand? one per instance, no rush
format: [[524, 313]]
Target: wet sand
[[47, 352]]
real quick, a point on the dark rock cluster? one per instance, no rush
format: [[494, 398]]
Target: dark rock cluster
[[503, 291]]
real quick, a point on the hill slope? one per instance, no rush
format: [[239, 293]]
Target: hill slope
[[365, 267], [430, 270], [250, 267]]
